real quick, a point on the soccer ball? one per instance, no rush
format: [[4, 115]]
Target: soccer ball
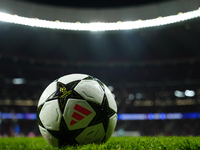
[[76, 109]]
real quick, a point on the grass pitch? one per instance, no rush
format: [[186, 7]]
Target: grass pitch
[[114, 143]]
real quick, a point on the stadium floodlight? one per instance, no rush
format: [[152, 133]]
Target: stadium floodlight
[[189, 93], [18, 81], [99, 26], [178, 93]]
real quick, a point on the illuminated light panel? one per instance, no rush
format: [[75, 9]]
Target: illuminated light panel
[[131, 116], [178, 93], [19, 81], [190, 93], [99, 26]]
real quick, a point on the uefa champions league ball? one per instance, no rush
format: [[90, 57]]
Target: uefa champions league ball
[[76, 109]]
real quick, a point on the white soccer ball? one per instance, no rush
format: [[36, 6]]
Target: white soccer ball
[[76, 109]]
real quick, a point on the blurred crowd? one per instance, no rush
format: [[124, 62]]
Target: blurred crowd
[[186, 127], [142, 76]]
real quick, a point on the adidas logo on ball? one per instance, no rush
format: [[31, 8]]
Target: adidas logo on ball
[[78, 116]]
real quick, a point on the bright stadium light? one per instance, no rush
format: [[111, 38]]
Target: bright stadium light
[[18, 81], [99, 26], [189, 93], [178, 93]]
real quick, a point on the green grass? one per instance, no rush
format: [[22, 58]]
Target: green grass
[[114, 143]]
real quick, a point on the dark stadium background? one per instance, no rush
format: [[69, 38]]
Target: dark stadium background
[[150, 63]]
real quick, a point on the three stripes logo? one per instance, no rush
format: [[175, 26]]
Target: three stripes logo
[[83, 112]]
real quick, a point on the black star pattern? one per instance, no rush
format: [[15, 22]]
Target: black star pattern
[[39, 122], [64, 92], [98, 81], [89, 78], [103, 113], [65, 136]]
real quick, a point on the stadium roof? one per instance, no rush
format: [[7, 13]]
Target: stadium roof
[[94, 4], [179, 40]]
